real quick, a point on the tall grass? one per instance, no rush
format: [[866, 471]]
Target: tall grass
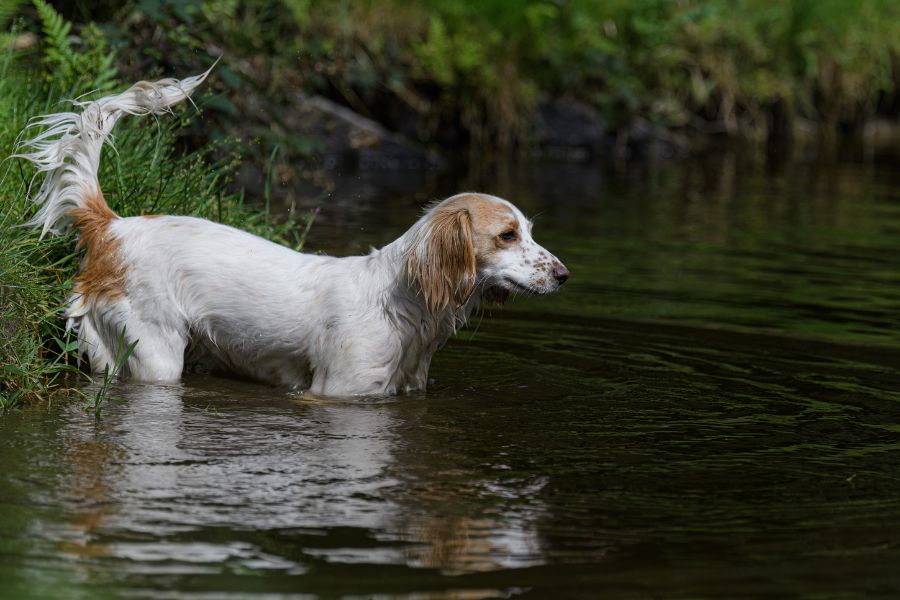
[[146, 174], [32, 275]]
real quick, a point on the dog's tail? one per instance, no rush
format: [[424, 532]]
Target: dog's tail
[[68, 151]]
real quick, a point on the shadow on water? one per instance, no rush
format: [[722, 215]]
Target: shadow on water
[[710, 409]]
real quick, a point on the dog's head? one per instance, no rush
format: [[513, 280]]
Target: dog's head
[[476, 243]]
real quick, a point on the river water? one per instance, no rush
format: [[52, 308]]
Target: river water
[[710, 408]]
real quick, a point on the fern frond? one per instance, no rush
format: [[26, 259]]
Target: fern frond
[[76, 64], [99, 60], [58, 53]]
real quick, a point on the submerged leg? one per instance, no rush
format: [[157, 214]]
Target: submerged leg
[[107, 329]]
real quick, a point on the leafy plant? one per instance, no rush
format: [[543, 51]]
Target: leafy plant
[[90, 67], [94, 401], [8, 10]]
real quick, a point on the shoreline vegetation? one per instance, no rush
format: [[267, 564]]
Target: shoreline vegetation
[[146, 174], [573, 78], [307, 87]]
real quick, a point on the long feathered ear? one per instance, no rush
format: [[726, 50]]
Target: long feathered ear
[[441, 262]]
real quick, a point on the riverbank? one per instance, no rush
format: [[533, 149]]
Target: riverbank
[[456, 76], [146, 174]]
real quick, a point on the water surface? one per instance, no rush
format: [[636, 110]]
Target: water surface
[[709, 409]]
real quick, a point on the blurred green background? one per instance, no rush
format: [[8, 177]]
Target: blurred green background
[[461, 74]]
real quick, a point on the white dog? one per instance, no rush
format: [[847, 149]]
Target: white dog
[[338, 326]]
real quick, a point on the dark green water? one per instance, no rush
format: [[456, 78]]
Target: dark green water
[[709, 409]]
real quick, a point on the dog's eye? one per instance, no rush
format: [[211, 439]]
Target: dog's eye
[[508, 236]]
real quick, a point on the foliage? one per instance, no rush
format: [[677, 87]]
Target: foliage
[[31, 274], [146, 173], [8, 10], [720, 60], [94, 401], [72, 69], [445, 70]]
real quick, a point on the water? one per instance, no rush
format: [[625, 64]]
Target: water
[[709, 409]]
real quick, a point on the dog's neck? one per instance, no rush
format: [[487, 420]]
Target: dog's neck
[[392, 263], [426, 331]]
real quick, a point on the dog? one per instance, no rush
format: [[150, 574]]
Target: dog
[[336, 326]]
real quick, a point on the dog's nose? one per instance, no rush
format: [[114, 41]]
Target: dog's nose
[[560, 273]]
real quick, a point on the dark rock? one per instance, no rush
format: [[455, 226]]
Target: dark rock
[[569, 129], [342, 138], [644, 139]]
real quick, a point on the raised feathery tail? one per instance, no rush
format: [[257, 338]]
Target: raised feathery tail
[[68, 150]]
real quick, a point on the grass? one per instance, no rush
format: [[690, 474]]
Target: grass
[[32, 275], [147, 173], [94, 401]]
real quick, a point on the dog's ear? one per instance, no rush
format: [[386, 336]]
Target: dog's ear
[[442, 261]]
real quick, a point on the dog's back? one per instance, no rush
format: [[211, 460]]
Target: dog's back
[[242, 303]]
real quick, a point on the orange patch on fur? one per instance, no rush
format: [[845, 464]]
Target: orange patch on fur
[[489, 219], [102, 273], [462, 234]]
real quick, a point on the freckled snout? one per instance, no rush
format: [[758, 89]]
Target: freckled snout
[[560, 273]]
